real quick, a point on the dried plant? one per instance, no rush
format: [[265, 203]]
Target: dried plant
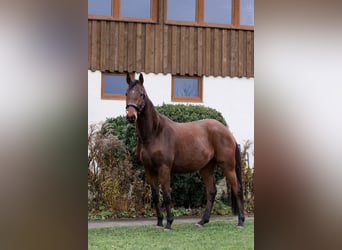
[[112, 181]]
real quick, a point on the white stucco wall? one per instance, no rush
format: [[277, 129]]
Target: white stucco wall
[[233, 97]]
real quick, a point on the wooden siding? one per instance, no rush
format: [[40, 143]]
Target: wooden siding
[[118, 46]]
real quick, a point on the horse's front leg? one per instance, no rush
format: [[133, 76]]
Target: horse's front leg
[[164, 177], [153, 180]]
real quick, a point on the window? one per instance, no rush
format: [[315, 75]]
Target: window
[[216, 13], [186, 89], [130, 10], [136, 8], [113, 86], [181, 10], [247, 12], [100, 7]]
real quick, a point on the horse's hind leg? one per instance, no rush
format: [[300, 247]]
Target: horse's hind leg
[[237, 195], [207, 174]]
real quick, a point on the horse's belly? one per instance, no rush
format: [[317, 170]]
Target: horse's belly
[[191, 162]]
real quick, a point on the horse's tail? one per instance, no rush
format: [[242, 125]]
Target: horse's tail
[[239, 179]]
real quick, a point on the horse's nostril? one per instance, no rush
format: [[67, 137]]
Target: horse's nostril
[[131, 119]]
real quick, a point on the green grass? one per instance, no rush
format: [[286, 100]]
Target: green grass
[[214, 235]]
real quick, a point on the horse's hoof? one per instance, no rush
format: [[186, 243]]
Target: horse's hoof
[[167, 229], [159, 227], [240, 227], [198, 225]]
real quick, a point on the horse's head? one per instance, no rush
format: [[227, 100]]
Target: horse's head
[[135, 97]]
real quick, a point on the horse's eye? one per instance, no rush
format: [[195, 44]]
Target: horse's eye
[[142, 95]]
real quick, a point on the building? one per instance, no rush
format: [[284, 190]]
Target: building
[[190, 51]]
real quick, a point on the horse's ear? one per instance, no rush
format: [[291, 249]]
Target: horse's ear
[[128, 78], [141, 79]]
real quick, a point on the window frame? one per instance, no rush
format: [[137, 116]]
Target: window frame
[[200, 17], [198, 98], [116, 13], [106, 96]]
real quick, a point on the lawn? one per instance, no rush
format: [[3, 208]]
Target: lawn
[[214, 235]]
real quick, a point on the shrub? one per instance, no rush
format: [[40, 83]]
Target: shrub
[[248, 179], [114, 187]]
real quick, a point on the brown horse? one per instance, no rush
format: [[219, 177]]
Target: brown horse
[[165, 146]]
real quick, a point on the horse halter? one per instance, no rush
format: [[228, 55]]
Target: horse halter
[[139, 109]]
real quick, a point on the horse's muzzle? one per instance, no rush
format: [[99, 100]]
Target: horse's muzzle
[[131, 119], [132, 113]]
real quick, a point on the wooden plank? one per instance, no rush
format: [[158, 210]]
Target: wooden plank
[[102, 45], [89, 44], [174, 49], [149, 48], [94, 45], [217, 59], [224, 47], [208, 51], [140, 48], [244, 72], [211, 71], [242, 53], [187, 44], [134, 50], [233, 53], [111, 46], [121, 45], [229, 48], [182, 46], [250, 54], [125, 48], [200, 51], [195, 56], [115, 45], [108, 46], [158, 51], [169, 63], [166, 49], [191, 57], [178, 50], [130, 46]]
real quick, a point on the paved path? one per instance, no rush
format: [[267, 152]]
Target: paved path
[[153, 220]]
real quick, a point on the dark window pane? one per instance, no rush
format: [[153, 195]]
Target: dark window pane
[[115, 84], [100, 7], [136, 8], [182, 10], [218, 11], [247, 12], [185, 87]]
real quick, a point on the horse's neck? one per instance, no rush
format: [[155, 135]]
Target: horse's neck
[[148, 122]]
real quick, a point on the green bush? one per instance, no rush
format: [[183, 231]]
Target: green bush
[[187, 189]]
